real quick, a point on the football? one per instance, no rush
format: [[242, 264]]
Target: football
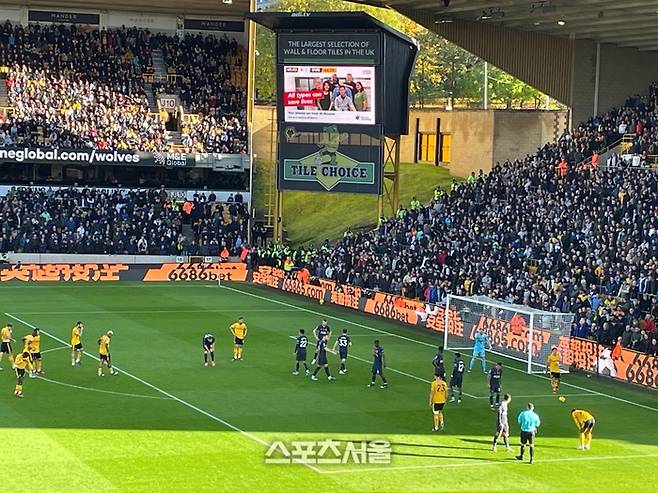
[[562, 398]]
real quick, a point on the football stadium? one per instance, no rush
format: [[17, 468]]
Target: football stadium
[[366, 247]]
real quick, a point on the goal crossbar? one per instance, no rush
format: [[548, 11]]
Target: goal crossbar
[[515, 331]]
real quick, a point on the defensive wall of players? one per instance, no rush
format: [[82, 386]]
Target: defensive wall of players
[[581, 354]]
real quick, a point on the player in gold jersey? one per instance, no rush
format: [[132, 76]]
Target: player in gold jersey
[[438, 396], [585, 423], [27, 348], [104, 356], [6, 338], [21, 363], [35, 352], [239, 331], [553, 366], [76, 343]]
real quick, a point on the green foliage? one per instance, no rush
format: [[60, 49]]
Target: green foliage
[[443, 70]]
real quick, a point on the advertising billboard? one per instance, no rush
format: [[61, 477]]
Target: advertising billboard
[[329, 94], [330, 158]]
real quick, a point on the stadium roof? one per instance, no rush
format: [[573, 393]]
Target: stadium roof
[[626, 23], [211, 8]]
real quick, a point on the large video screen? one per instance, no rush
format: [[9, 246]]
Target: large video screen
[[329, 94]]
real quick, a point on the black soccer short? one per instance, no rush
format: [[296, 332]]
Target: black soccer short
[[440, 372], [35, 356], [207, 349], [78, 346], [104, 357], [301, 355], [239, 342], [588, 425], [527, 437], [5, 347], [20, 372], [438, 406], [555, 375], [494, 390], [342, 353], [456, 382], [377, 370], [322, 359]]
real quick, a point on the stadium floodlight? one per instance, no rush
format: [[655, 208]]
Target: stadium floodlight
[[514, 331]]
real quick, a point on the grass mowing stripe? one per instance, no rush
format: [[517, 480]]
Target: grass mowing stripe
[[415, 377], [114, 312], [489, 463], [101, 391], [171, 396], [357, 324]]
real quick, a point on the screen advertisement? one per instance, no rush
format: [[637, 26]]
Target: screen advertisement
[[329, 94]]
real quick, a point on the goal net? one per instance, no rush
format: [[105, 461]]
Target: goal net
[[514, 331]]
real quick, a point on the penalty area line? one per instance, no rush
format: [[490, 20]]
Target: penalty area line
[[416, 341], [55, 349], [478, 463], [101, 391], [170, 395]]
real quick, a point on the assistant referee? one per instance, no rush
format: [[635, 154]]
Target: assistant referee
[[529, 422]]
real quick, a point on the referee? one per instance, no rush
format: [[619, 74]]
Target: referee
[[529, 422]]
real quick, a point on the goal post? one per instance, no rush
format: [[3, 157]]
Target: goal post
[[514, 331]]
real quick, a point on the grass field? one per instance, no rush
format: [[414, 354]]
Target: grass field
[[166, 423], [328, 217]]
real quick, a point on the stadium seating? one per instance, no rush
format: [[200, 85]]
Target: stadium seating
[[73, 87], [90, 220], [551, 231]]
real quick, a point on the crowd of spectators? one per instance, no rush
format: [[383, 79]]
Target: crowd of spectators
[[71, 86], [88, 220], [543, 231]]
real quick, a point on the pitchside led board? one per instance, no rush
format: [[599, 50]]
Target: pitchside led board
[[332, 87]]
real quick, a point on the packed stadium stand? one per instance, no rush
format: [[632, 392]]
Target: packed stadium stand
[[75, 87], [557, 230], [88, 220]]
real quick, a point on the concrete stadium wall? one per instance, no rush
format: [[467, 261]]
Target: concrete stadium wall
[[480, 138], [623, 72]]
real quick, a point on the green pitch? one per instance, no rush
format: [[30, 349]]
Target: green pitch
[[166, 423]]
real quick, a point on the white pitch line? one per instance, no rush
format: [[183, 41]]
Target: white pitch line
[[91, 389], [119, 311], [54, 349], [415, 377], [487, 463], [409, 339], [171, 396]]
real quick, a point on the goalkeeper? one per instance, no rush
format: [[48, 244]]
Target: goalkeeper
[[480, 339], [585, 423]]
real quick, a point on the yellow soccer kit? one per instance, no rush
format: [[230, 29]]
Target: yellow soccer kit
[[27, 341], [5, 334], [36, 344], [554, 363], [104, 345], [585, 423], [239, 330], [22, 363], [75, 336], [439, 392]]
